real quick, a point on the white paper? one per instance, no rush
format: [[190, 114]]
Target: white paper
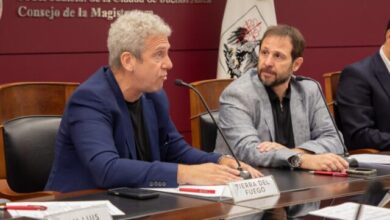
[[372, 158], [385, 200], [95, 212], [348, 210], [57, 207], [220, 190]]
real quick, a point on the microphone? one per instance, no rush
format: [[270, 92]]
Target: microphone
[[374, 194], [243, 173], [351, 161]]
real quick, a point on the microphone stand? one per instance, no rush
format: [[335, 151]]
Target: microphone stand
[[243, 173], [352, 162]]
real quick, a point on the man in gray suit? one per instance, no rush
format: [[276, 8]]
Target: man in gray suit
[[273, 120]]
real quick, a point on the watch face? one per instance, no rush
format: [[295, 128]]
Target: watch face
[[295, 161]]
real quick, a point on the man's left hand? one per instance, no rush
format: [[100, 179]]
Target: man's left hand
[[326, 162]]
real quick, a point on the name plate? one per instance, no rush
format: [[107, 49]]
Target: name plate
[[97, 212], [253, 188]]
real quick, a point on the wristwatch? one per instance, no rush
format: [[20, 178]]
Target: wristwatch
[[295, 161]]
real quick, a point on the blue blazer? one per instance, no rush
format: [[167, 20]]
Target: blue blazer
[[363, 98], [95, 143]]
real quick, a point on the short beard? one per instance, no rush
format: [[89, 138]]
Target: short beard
[[276, 82]]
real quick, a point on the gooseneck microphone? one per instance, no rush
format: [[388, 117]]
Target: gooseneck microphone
[[243, 173], [352, 162], [374, 195]]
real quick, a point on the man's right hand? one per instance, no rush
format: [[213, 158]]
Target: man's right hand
[[326, 162], [206, 174]]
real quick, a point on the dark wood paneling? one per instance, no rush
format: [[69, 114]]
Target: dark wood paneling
[[318, 61], [329, 23], [49, 67], [195, 26]]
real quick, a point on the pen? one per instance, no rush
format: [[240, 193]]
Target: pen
[[193, 190], [23, 207], [328, 173]]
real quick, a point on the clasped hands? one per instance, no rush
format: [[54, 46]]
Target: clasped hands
[[325, 161], [212, 173]]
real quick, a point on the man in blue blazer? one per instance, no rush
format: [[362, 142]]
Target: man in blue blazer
[[363, 98], [116, 130]]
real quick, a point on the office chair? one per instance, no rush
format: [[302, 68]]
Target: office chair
[[29, 98], [34, 98], [203, 129], [331, 83], [29, 153]]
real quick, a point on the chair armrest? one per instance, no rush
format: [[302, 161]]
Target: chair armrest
[[364, 151], [7, 193]]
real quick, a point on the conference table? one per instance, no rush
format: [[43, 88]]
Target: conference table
[[296, 187]]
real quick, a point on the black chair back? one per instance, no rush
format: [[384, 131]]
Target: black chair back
[[29, 151], [208, 131]]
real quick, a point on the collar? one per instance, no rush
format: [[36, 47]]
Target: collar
[[272, 95], [385, 59]]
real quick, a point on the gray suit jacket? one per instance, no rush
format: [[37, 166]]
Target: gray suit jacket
[[246, 119]]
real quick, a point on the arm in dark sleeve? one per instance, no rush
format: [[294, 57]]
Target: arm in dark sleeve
[[91, 131], [354, 99], [173, 147]]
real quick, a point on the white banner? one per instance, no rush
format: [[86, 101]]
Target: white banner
[[244, 23]]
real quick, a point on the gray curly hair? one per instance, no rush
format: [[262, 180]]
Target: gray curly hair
[[129, 31]]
